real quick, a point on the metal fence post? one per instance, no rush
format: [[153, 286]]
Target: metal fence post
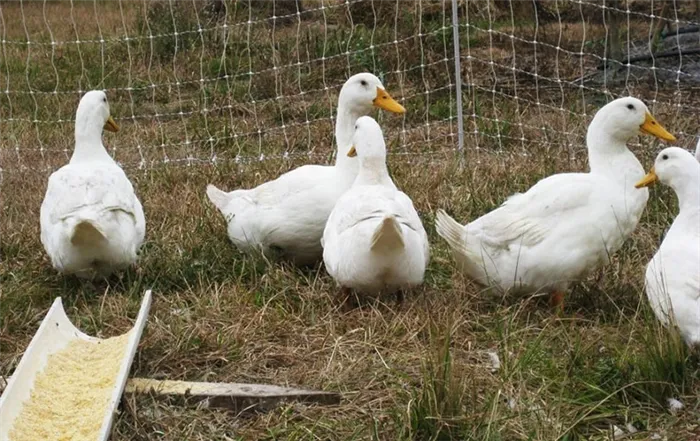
[[458, 77]]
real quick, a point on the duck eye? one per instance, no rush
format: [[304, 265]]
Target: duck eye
[[104, 99], [630, 106], [364, 83], [664, 157]]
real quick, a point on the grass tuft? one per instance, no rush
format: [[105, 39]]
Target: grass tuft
[[437, 409]]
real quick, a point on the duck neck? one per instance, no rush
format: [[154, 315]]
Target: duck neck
[[373, 171], [88, 142], [688, 190], [344, 130], [608, 155]]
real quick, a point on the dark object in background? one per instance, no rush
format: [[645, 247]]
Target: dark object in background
[[675, 50], [287, 9]]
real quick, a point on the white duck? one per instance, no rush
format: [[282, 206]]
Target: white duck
[[673, 274], [92, 223], [374, 240], [566, 224], [288, 214], [697, 157]]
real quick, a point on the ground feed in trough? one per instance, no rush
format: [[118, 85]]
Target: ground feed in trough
[[72, 392]]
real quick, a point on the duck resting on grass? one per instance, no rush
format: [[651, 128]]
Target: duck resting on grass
[[374, 240], [673, 274], [92, 223], [566, 224], [287, 215]]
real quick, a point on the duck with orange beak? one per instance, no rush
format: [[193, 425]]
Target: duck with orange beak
[[92, 222], [673, 275], [285, 217], [567, 224]]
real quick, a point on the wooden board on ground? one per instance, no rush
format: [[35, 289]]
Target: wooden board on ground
[[235, 396]]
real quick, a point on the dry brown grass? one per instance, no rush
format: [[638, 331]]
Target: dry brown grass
[[219, 316], [419, 370]]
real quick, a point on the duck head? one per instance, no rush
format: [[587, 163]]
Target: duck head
[[624, 118], [368, 140], [362, 92], [674, 167]]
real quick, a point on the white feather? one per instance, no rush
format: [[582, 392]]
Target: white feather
[[388, 235]]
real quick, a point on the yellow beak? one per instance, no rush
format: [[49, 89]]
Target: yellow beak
[[384, 101], [647, 180], [352, 153], [111, 125], [651, 127]]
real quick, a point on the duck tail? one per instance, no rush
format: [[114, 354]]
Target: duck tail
[[388, 235], [218, 197], [453, 232], [87, 232]]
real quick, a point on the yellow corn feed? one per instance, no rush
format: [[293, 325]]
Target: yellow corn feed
[[70, 396]]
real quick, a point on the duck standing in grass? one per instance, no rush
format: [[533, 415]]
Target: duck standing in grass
[[374, 240], [287, 215], [673, 274], [92, 223], [697, 157], [566, 224]]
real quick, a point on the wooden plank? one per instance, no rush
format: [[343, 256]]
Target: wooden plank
[[235, 396]]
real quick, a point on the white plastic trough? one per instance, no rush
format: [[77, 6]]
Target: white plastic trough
[[54, 334]]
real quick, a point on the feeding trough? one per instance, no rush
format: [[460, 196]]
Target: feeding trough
[[68, 381], [68, 385]]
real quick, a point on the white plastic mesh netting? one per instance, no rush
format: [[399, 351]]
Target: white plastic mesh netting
[[207, 82]]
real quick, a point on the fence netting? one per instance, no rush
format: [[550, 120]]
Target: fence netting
[[216, 81]]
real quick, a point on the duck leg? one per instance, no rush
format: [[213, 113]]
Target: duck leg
[[556, 300], [348, 298]]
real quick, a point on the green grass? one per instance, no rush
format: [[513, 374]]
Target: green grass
[[414, 371], [242, 289]]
